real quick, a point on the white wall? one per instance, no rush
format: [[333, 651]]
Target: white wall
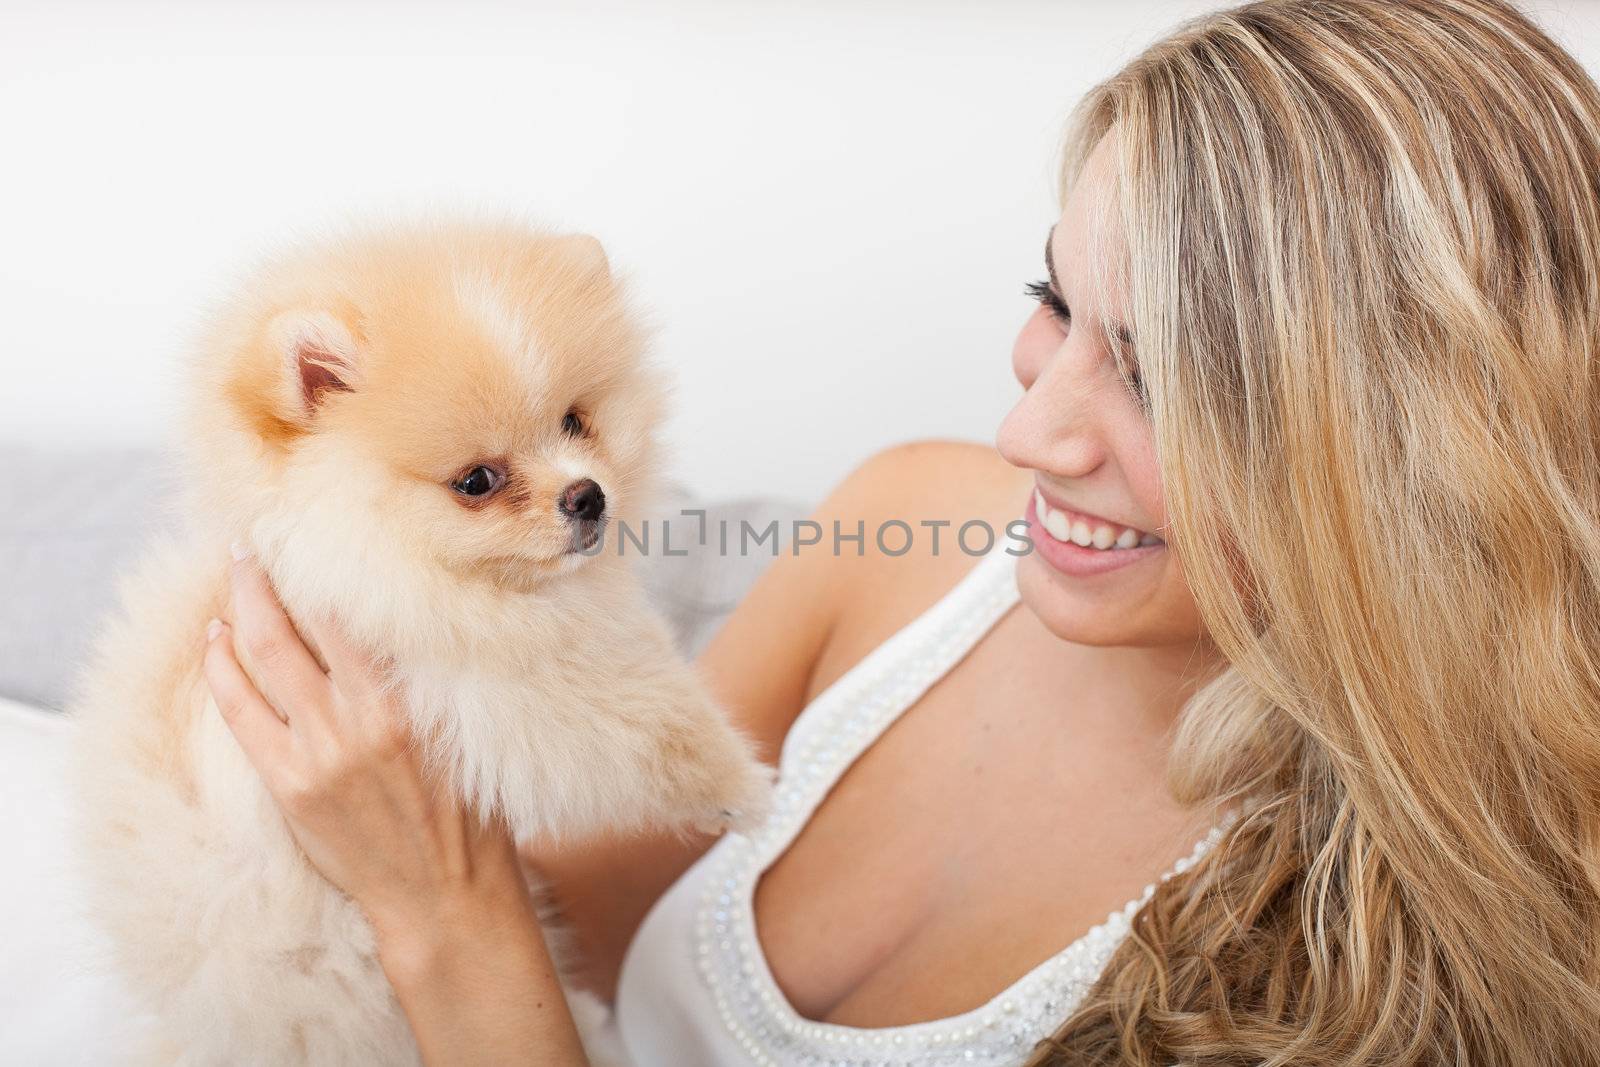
[[830, 208]]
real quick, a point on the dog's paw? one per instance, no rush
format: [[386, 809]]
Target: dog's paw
[[746, 805]]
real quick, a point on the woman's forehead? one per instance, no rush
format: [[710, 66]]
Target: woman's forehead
[[1086, 246], [1091, 221]]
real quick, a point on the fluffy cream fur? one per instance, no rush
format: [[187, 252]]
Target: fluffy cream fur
[[333, 402]]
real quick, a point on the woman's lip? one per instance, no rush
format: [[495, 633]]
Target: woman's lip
[[1076, 560]]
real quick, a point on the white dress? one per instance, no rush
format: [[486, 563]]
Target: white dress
[[695, 989]]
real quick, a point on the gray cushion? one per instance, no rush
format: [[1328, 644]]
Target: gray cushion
[[697, 589], [70, 522]]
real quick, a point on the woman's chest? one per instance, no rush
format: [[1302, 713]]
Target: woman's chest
[[989, 827]]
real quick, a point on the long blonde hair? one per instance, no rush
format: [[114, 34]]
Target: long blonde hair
[[1363, 260]]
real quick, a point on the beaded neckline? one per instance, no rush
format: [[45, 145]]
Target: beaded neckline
[[837, 726]]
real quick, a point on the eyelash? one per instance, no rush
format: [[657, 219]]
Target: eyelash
[[1044, 294]]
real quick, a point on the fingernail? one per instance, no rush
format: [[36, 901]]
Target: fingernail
[[238, 550], [213, 628]]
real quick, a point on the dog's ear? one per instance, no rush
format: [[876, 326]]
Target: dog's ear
[[586, 253], [318, 354]]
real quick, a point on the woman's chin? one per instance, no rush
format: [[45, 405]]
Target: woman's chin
[[1144, 614], [1085, 613]]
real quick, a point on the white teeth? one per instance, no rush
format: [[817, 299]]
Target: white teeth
[[1103, 537], [1056, 523]]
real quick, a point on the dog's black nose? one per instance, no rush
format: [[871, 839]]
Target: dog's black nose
[[583, 500]]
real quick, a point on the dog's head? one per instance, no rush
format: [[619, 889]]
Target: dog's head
[[474, 393]]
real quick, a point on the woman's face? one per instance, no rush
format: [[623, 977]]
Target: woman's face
[[1080, 429]]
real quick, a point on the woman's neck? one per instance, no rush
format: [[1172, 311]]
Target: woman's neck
[[1135, 694]]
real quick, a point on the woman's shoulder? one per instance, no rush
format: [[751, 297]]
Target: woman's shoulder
[[882, 547], [909, 505], [912, 500]]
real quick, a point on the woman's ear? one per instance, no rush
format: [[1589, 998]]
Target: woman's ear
[[318, 354]]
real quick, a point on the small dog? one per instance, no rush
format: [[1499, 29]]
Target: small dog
[[420, 429]]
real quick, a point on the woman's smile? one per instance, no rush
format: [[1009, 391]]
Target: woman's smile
[[1071, 544]]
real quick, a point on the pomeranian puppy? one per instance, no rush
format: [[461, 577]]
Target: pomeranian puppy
[[421, 429]]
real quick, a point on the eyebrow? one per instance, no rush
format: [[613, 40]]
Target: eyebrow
[[1121, 332]]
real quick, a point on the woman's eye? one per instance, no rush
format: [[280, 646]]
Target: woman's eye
[[479, 481], [572, 425], [1135, 383], [1041, 292]]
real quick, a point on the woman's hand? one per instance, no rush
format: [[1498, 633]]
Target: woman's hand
[[457, 933], [334, 750]]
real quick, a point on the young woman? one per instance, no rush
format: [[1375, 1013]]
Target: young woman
[[1320, 327]]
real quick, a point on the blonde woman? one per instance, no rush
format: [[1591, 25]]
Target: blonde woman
[[1321, 328]]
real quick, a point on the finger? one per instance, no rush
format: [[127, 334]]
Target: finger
[[369, 686], [260, 732], [289, 676], [353, 670]]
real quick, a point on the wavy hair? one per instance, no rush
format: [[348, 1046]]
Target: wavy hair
[[1363, 260]]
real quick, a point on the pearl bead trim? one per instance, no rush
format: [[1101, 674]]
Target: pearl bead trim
[[838, 725]]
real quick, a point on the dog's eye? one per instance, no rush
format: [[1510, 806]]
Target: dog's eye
[[573, 424], [479, 481]]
